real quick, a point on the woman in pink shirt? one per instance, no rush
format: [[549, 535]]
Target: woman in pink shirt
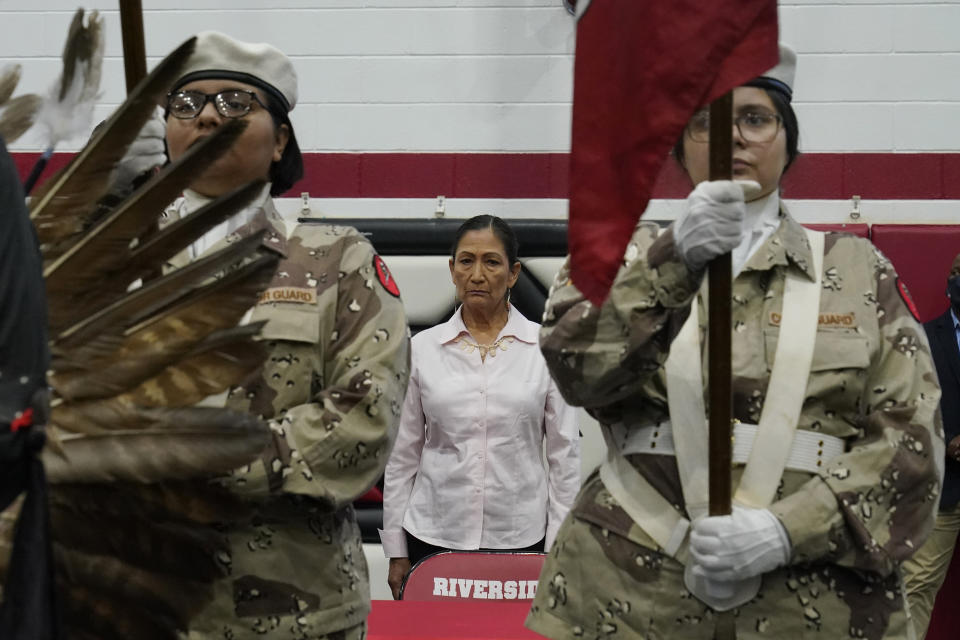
[[469, 469]]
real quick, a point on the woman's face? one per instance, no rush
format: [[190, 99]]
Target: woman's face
[[761, 162], [260, 144], [481, 272]]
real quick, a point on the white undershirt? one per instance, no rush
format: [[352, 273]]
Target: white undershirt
[[761, 220]]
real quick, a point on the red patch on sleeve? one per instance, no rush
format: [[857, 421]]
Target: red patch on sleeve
[[907, 300], [385, 277]]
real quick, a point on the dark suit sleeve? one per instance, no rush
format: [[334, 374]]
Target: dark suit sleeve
[[946, 359]]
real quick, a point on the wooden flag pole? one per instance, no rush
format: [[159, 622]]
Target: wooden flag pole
[[134, 47], [721, 276], [718, 348]]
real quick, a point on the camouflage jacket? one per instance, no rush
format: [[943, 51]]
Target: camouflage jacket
[[331, 391], [871, 383]]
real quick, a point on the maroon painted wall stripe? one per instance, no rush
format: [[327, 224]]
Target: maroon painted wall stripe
[[818, 176]]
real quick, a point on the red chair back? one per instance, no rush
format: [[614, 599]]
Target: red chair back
[[922, 255], [474, 575]]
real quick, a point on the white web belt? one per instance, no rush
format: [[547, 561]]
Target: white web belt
[[809, 452]]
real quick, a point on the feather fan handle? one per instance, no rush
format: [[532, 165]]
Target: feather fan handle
[[75, 190], [68, 110], [106, 246], [197, 442]]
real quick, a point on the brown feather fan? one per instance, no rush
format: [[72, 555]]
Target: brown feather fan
[[132, 460], [62, 209], [16, 114]]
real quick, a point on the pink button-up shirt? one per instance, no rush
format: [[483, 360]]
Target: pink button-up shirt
[[469, 469]]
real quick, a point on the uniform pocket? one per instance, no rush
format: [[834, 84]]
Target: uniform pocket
[[831, 351], [297, 323]]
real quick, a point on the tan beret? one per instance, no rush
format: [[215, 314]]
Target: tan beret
[[217, 55]]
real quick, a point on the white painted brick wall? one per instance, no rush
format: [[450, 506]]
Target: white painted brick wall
[[837, 28], [927, 126], [496, 75], [864, 126]]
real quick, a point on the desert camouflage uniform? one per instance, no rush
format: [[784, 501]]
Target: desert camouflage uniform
[[871, 383], [331, 391]]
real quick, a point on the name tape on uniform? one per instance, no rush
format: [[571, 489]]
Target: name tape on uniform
[[303, 295], [485, 589], [826, 320]]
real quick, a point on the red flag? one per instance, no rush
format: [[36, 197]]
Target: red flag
[[641, 70]]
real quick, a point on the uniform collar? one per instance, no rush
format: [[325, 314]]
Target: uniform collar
[[517, 326], [788, 246]]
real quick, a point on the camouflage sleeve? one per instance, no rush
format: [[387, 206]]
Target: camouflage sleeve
[[873, 506], [602, 355], [332, 440], [344, 435]]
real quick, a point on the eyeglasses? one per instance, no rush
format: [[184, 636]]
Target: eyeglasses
[[230, 103], [754, 126]]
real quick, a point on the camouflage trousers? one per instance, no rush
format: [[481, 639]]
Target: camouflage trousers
[[598, 585]]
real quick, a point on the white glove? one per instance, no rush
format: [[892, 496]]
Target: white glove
[[721, 596], [712, 222], [747, 543], [146, 152]]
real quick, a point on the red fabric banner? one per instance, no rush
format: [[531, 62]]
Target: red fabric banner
[[642, 68]]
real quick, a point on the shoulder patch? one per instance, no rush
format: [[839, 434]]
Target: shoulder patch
[[385, 277], [907, 300]]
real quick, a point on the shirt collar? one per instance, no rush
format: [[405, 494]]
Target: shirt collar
[[517, 326], [787, 246], [956, 323]]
